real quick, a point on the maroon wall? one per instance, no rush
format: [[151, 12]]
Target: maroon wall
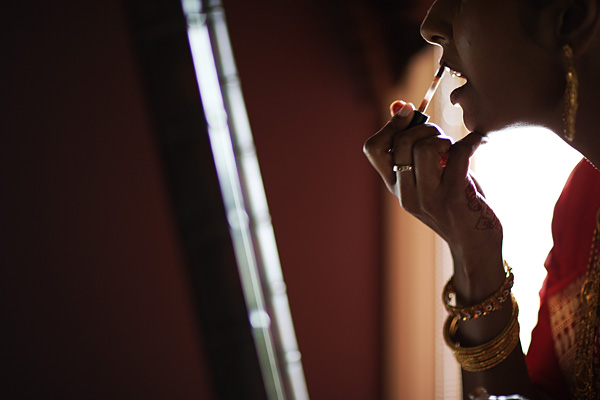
[[309, 123], [93, 279], [94, 300]]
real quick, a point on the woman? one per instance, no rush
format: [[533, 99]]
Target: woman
[[532, 62]]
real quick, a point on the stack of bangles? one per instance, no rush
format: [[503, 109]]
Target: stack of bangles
[[492, 353]]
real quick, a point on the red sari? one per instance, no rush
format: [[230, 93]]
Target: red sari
[[551, 355]]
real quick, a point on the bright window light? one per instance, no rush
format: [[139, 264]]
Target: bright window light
[[522, 172]]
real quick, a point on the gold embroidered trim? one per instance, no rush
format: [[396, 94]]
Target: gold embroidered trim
[[585, 376]]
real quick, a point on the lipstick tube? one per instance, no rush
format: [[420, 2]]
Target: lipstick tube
[[419, 116]]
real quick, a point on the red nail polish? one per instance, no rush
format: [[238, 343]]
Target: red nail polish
[[444, 160], [396, 106]]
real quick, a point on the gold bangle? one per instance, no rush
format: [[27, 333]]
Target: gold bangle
[[487, 355], [487, 306]]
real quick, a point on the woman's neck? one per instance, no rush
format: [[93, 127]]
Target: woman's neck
[[587, 135]]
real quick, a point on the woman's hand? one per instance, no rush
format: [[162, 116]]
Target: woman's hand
[[438, 189], [482, 394], [433, 184]]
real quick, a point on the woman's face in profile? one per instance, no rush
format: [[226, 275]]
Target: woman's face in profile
[[510, 77]]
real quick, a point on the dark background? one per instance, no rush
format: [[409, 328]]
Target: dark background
[[95, 294]]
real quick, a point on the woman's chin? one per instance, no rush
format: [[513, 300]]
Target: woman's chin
[[469, 125], [470, 122], [483, 125]]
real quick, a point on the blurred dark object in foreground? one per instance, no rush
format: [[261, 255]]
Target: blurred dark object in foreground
[[378, 38]]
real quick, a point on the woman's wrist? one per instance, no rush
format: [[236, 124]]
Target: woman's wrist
[[487, 355], [473, 282], [476, 280], [481, 309], [474, 332]]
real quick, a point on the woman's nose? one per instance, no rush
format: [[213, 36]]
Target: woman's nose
[[437, 25]]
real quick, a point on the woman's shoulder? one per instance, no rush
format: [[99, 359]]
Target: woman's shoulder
[[582, 190], [576, 208], [584, 170], [574, 221]]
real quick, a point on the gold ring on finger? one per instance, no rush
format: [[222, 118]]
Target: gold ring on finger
[[403, 168]]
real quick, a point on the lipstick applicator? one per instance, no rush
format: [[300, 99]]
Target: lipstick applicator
[[419, 116]]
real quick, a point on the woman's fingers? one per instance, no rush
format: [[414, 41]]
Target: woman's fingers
[[421, 148], [378, 147], [430, 165], [479, 393], [457, 166], [428, 168], [396, 106], [477, 186]]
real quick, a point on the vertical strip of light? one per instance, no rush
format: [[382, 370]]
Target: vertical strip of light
[[245, 201]]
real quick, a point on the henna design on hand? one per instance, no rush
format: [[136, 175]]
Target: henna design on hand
[[473, 202], [487, 219]]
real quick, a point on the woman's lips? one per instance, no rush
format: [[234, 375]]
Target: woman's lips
[[456, 94]]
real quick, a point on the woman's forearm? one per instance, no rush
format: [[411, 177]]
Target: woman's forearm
[[510, 376]]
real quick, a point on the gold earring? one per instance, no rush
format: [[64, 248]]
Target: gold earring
[[571, 92]]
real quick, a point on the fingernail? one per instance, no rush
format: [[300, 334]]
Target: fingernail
[[396, 106], [405, 110], [444, 159]]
